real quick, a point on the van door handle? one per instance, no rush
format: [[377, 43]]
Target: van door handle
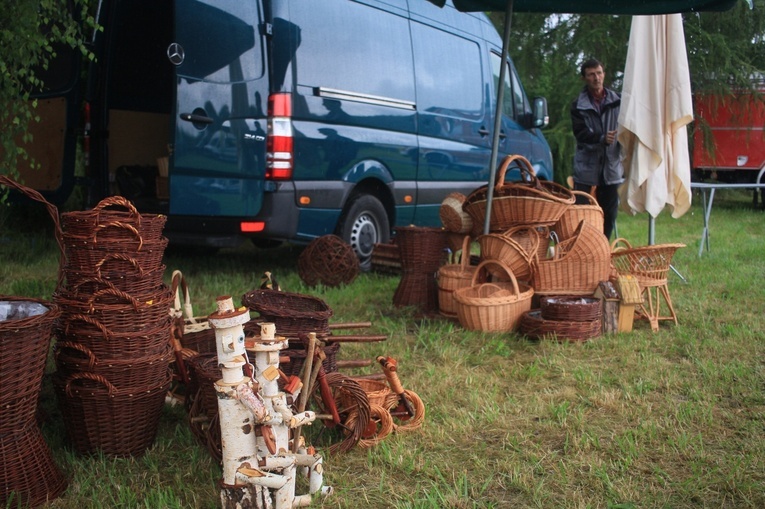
[[502, 135], [196, 119], [483, 132]]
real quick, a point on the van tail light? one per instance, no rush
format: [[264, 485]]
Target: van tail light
[[279, 148]]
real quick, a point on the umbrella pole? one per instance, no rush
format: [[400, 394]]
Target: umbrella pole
[[498, 115]]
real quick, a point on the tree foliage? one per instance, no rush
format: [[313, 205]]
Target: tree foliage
[[724, 51], [30, 33]]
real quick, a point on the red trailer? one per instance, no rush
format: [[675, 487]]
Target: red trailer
[[728, 136]]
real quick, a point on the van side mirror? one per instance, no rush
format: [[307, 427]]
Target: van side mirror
[[539, 116]]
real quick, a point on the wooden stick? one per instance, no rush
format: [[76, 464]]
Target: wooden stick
[[350, 325], [352, 338]]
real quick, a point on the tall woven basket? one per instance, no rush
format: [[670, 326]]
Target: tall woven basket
[[489, 306]]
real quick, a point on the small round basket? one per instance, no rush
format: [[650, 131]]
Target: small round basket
[[453, 217], [328, 260]]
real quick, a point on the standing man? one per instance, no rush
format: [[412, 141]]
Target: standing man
[[597, 163]]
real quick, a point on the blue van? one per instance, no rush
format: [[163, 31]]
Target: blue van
[[285, 120]]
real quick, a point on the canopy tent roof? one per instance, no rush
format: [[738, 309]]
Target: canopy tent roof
[[634, 7]]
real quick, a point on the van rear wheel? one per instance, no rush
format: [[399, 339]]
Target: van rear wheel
[[364, 224]]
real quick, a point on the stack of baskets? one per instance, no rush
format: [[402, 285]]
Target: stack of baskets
[[114, 348], [526, 217], [422, 251], [566, 318]]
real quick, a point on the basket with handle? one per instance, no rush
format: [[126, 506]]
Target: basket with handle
[[453, 276], [580, 263], [569, 221], [492, 306], [525, 203], [193, 332], [110, 210]]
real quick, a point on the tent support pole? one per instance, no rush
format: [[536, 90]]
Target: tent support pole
[[498, 115]]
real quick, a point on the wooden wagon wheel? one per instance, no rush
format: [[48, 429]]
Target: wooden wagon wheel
[[336, 398]]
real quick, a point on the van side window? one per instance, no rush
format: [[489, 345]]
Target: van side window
[[448, 72], [220, 40], [515, 104], [370, 56]]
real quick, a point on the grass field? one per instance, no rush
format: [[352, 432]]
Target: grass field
[[671, 419]]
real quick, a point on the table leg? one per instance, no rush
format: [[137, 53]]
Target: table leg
[[707, 211]]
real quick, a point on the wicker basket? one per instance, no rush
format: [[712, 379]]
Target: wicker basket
[[648, 264], [569, 221], [454, 276], [527, 203], [29, 476], [492, 307], [579, 265], [101, 418], [328, 260], [292, 313], [123, 374], [107, 344], [386, 258], [532, 325], [193, 332], [114, 209], [25, 334], [421, 249], [571, 309], [511, 252], [453, 216]]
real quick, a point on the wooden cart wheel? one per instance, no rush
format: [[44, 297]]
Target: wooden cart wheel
[[348, 398], [404, 422]]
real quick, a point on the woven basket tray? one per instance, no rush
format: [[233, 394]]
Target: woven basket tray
[[527, 203], [492, 307], [534, 326], [571, 309]]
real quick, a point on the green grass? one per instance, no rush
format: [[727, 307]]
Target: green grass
[[645, 419]]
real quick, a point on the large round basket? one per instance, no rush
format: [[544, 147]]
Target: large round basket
[[452, 277], [492, 307], [328, 260]]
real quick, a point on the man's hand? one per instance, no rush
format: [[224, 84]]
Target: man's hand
[[610, 137]]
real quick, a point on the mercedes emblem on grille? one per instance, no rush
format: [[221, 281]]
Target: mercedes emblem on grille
[[175, 53]]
